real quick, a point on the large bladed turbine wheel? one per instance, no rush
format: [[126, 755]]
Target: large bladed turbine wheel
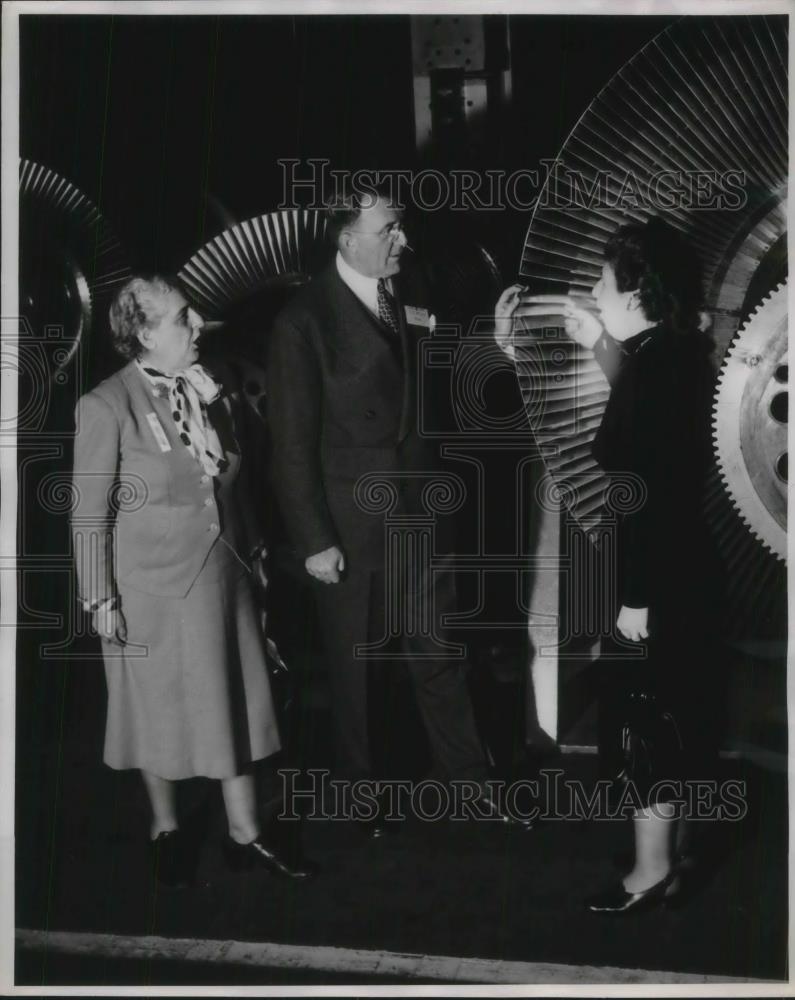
[[707, 98], [244, 275], [71, 264], [271, 251]]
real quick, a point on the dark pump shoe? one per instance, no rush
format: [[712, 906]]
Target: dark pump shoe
[[173, 859], [617, 901], [260, 854]]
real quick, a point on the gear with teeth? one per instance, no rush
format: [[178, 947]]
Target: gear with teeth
[[750, 417]]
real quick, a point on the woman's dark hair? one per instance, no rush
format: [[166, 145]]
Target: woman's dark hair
[[660, 264]]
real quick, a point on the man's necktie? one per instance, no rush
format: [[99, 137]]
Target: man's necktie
[[387, 312]]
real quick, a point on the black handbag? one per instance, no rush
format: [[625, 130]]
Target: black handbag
[[651, 743]]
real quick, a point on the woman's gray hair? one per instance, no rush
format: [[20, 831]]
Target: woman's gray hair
[[135, 308]]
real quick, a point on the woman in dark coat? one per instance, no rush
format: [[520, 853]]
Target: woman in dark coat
[[654, 435]]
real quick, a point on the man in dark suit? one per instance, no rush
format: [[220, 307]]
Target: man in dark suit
[[343, 408]]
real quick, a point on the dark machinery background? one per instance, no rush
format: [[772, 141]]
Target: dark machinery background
[[149, 142]]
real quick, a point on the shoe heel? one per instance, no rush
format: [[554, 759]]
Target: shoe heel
[[171, 864], [236, 857], [674, 896]]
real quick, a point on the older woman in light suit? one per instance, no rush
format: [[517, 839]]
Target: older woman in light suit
[[166, 541]]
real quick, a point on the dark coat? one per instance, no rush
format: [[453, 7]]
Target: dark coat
[[342, 403], [656, 426]]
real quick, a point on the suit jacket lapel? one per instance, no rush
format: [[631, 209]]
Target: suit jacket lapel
[[357, 336], [356, 331]]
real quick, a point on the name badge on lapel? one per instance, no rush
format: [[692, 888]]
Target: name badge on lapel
[[159, 433], [415, 316]]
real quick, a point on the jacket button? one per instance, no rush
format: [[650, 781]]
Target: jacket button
[[207, 502], [369, 414], [213, 527], [204, 479]]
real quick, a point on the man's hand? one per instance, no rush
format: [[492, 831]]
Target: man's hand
[[111, 625], [503, 318], [327, 565], [633, 623]]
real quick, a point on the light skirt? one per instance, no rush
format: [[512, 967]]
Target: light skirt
[[189, 695]]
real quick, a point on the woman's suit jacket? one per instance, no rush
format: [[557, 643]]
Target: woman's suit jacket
[[656, 426], [146, 514]]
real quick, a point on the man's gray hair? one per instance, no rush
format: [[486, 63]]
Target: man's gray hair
[[345, 207]]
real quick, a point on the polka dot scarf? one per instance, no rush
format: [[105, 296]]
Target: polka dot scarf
[[189, 393]]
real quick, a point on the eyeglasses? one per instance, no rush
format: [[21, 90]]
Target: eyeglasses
[[390, 232]]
